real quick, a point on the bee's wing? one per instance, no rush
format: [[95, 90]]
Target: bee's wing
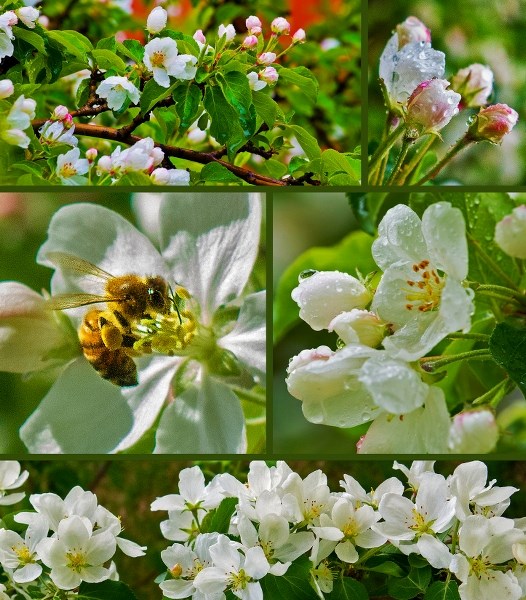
[[70, 262], [62, 301]]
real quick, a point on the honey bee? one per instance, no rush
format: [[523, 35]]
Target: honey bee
[[107, 336]]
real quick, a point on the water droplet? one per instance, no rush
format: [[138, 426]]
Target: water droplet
[[366, 416], [306, 274], [339, 290]]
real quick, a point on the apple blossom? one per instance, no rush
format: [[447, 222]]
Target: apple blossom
[[474, 432], [354, 491], [228, 31], [359, 327], [28, 15], [161, 58], [252, 23], [69, 165], [157, 20], [493, 123], [60, 113], [116, 90], [19, 553], [254, 82], [510, 233], [269, 75], [53, 133], [91, 154], [299, 36], [280, 26], [250, 41], [7, 21], [411, 30], [421, 292], [162, 176], [6, 88], [430, 107], [10, 479], [474, 84], [267, 58]]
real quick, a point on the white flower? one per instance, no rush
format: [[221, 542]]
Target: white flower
[[304, 500], [416, 471], [510, 233], [28, 15], [357, 493], [484, 545], [209, 245], [10, 479], [53, 133], [77, 555], [431, 107], [185, 67], [21, 113], [6, 46], [116, 90], [228, 31], [107, 521], [157, 20], [474, 83], [143, 156], [7, 21], [160, 56], [6, 88], [421, 292], [403, 69], [28, 330], [19, 553], [234, 570], [70, 165], [254, 82], [473, 432], [162, 176], [325, 294], [359, 327]]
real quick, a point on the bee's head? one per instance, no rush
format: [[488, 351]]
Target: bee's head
[[158, 300]]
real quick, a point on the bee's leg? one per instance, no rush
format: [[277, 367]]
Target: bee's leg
[[111, 335]]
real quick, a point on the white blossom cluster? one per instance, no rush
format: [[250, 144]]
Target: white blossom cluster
[[68, 540], [372, 376], [454, 523]]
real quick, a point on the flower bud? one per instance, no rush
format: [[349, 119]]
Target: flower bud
[[267, 58], [229, 31], [250, 41], [28, 106], [60, 113], [430, 107], [326, 294], [255, 82], [16, 137], [280, 26], [105, 164], [519, 552], [359, 327], [510, 233], [299, 36], [412, 30], [474, 84], [157, 20], [6, 88], [28, 15], [269, 74], [91, 154], [473, 432], [493, 123], [199, 36], [253, 23]]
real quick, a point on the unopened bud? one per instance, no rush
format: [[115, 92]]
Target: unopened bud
[[359, 327], [280, 26], [157, 20], [267, 58], [269, 74], [493, 123], [28, 15], [474, 84], [60, 113], [91, 154], [474, 431], [105, 164], [430, 107], [199, 36], [250, 41], [6, 88], [299, 36], [510, 233], [412, 30], [253, 23], [228, 31]]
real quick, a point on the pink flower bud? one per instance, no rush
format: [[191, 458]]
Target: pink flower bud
[[493, 123], [267, 58], [250, 41], [299, 36], [510, 233], [253, 23], [280, 26], [199, 36], [91, 154], [430, 107], [68, 121], [256, 31], [474, 84], [412, 30], [269, 74], [60, 113], [6, 88], [473, 431]]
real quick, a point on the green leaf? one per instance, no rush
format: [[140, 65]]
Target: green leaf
[[442, 590], [108, 43], [187, 97], [388, 568], [266, 108], [73, 42], [408, 587], [236, 90], [353, 252], [294, 585], [106, 590], [224, 119], [132, 49], [106, 59], [333, 162], [217, 172], [348, 589], [82, 93], [32, 38], [218, 520], [507, 345], [306, 141], [154, 93], [303, 78], [135, 179]]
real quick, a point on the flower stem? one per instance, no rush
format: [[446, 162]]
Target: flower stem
[[417, 158], [501, 291], [435, 363], [450, 154], [247, 395], [368, 555], [483, 337], [382, 150], [490, 397], [406, 145]]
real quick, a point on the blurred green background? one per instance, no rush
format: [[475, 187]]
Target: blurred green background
[[301, 221], [488, 32], [127, 488], [24, 220]]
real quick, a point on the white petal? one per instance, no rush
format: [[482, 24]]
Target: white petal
[[347, 552], [434, 551], [211, 243], [248, 338], [204, 420]]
